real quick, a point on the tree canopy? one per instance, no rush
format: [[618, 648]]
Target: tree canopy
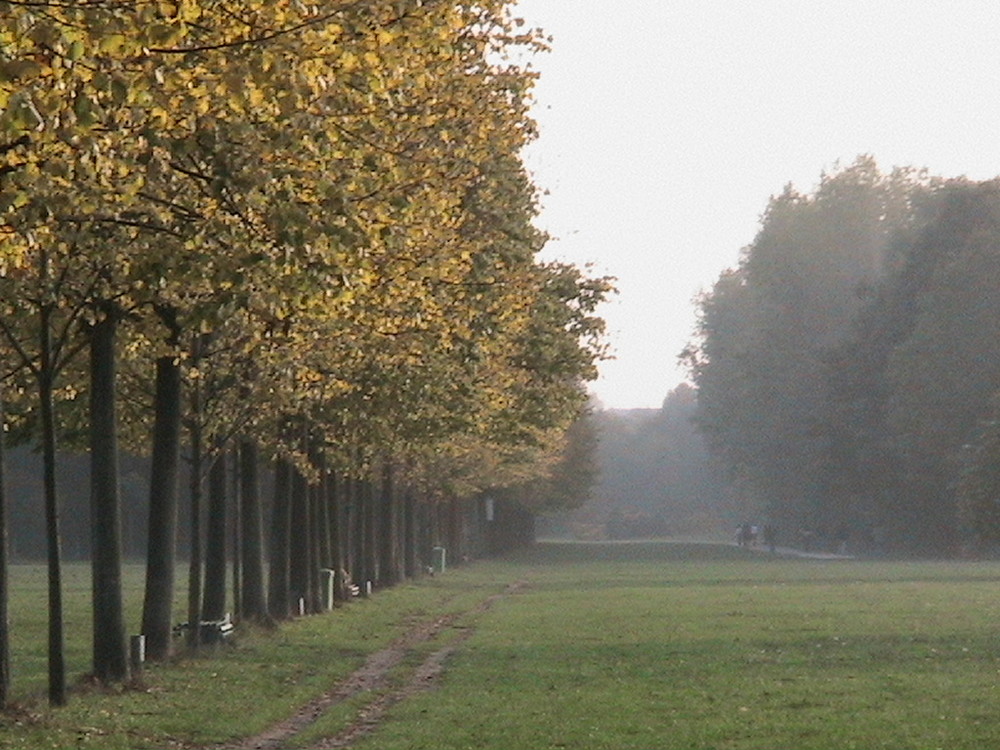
[[845, 371], [315, 215]]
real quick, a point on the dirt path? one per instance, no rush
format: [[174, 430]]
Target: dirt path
[[373, 675]]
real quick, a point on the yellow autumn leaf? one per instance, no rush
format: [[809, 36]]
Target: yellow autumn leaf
[[111, 44], [348, 61]]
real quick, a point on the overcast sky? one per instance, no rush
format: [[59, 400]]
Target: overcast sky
[[667, 124]]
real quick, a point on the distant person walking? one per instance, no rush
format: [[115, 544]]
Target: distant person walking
[[744, 535], [770, 538]]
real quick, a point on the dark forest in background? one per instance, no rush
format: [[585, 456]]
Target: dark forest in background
[[848, 370]]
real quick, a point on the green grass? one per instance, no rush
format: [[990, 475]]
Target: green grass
[[644, 651], [222, 693], [609, 646]]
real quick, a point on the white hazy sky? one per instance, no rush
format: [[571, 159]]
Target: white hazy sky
[[667, 124]]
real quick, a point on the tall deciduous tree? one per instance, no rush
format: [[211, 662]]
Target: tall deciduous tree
[[216, 548], [767, 329], [333, 198], [161, 553], [110, 648], [254, 592], [5, 677]]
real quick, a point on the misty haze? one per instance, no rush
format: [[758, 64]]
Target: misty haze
[[307, 315]]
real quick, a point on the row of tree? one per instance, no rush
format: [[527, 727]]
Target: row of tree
[[295, 234], [847, 369]]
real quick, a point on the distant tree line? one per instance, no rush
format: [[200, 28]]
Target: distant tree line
[[653, 476], [848, 369], [289, 249]]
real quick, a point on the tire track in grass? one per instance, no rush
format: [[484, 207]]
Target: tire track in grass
[[424, 677], [371, 716], [373, 675]]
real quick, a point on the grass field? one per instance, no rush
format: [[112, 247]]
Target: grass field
[[606, 646]]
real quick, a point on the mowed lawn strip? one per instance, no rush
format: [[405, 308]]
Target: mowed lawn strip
[[747, 652]]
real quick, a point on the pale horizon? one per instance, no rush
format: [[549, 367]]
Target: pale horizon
[[666, 127]]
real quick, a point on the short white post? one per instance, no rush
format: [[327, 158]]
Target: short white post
[[136, 653]]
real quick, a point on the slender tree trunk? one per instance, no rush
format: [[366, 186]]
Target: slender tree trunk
[[325, 559], [422, 533], [315, 598], [435, 528], [371, 531], [351, 533], [157, 609], [363, 570], [279, 599], [335, 504], [4, 570], [457, 530], [236, 543], [410, 561], [299, 540], [387, 527], [526, 538], [399, 531], [110, 649], [161, 547], [196, 485], [46, 375], [214, 602], [254, 594], [57, 663]]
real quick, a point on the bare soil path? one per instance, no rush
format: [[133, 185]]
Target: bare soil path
[[374, 675]]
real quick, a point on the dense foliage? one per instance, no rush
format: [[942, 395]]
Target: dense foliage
[[313, 218], [846, 370]]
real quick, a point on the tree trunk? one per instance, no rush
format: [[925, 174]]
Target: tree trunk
[[362, 570], [456, 531], [427, 519], [110, 649], [214, 602], [399, 532], [369, 534], [254, 595], [351, 533], [236, 539], [4, 571], [387, 526], [410, 560], [513, 527], [157, 610], [324, 555], [299, 541], [46, 375], [196, 484], [435, 533], [335, 506], [315, 498], [325, 559], [57, 663], [279, 599]]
